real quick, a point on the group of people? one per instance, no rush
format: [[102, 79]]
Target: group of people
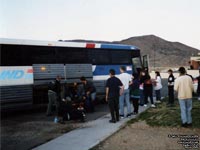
[[139, 87], [71, 102], [124, 89]]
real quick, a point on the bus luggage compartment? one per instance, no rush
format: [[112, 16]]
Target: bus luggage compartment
[[12, 97]]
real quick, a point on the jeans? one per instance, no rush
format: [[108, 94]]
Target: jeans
[[158, 95], [114, 108], [141, 97], [51, 99], [126, 96], [93, 96], [186, 107], [89, 104]]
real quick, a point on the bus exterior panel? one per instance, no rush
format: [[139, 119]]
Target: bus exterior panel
[[68, 59]]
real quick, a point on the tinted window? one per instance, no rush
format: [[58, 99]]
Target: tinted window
[[99, 56], [40, 54], [71, 55], [27, 55], [12, 55], [121, 57]]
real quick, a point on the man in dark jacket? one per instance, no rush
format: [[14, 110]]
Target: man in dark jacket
[[114, 88], [54, 94], [171, 80], [51, 98], [90, 93]]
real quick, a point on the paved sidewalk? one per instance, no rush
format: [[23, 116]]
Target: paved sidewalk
[[91, 134]]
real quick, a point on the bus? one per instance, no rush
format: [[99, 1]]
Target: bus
[[27, 66]]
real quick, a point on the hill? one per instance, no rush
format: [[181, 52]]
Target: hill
[[162, 53]]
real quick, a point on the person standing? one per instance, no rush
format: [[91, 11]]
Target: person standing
[[141, 79], [198, 86], [135, 93], [184, 87], [158, 86], [51, 98], [57, 90], [170, 88], [126, 80], [90, 92], [148, 90], [113, 89]]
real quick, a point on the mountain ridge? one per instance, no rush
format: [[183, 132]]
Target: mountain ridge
[[162, 53]]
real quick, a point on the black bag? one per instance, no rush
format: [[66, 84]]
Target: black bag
[[70, 112], [51, 86]]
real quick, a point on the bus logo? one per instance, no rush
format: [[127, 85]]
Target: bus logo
[[16, 76]]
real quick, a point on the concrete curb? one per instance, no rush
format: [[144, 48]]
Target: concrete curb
[[87, 137]]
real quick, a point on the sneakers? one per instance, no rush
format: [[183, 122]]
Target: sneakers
[[145, 105], [184, 125], [158, 101], [153, 106], [121, 116], [112, 121], [56, 120], [128, 115]]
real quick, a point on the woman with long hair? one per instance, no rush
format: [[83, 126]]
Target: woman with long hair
[[158, 86], [148, 90]]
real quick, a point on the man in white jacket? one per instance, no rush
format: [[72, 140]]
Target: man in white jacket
[[184, 87], [126, 79]]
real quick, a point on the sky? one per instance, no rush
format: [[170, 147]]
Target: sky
[[106, 20]]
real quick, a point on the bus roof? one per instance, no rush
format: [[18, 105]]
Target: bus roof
[[66, 44]]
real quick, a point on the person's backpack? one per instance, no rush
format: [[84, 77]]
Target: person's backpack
[[51, 86], [148, 81], [135, 92]]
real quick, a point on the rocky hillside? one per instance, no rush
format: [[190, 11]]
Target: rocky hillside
[[162, 53]]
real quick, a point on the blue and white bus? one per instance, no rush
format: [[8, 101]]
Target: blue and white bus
[[27, 66]]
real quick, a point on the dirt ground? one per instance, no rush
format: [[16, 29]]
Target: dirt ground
[[28, 130], [140, 136]]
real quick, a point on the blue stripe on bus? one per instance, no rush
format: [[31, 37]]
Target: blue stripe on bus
[[104, 69], [117, 46]]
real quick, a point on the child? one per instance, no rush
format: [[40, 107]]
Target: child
[[135, 92], [158, 86]]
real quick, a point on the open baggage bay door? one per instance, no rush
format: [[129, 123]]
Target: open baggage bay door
[[146, 62], [45, 73], [140, 63], [73, 72]]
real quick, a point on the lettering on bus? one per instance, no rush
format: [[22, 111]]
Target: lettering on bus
[[16, 76]]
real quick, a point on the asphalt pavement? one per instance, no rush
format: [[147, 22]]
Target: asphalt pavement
[[88, 136]]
